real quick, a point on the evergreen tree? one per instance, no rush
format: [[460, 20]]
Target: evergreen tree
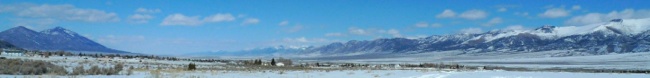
[[272, 62], [258, 62]]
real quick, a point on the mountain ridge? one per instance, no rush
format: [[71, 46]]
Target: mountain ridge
[[57, 38], [631, 35]]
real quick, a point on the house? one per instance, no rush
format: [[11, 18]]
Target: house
[[12, 52], [279, 64]]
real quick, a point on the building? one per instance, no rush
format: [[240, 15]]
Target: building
[[12, 52], [279, 64]]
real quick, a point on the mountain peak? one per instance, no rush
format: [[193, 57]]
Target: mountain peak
[[546, 29], [59, 31], [23, 27], [59, 28], [19, 29]]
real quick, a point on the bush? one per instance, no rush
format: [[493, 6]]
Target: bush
[[118, 67], [95, 70], [191, 66], [79, 70], [29, 67], [130, 71]]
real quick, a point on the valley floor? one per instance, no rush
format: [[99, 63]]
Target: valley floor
[[548, 59], [352, 74], [148, 68]]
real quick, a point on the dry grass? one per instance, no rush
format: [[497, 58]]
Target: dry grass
[[29, 67]]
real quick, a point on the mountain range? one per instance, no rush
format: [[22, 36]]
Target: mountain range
[[616, 36], [54, 39]]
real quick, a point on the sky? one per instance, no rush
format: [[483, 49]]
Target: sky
[[186, 26]]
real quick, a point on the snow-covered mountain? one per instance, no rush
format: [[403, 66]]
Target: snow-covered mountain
[[57, 38], [616, 36]]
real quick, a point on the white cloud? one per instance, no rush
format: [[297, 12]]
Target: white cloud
[[417, 37], [421, 24], [514, 27], [301, 39], [60, 12], [592, 18], [147, 11], [220, 17], [142, 15], [502, 9], [554, 13], [447, 13], [251, 21], [284, 23], [180, 19], [436, 25], [425, 24], [471, 31], [493, 22], [358, 31], [374, 32], [473, 14], [576, 7], [334, 34], [140, 18], [394, 33]]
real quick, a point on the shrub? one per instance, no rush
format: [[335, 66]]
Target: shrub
[[118, 67], [94, 70], [79, 70], [191, 66], [29, 67], [130, 71]]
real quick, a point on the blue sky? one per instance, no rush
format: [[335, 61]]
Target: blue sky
[[176, 26]]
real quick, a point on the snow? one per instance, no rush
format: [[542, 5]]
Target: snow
[[544, 59], [58, 31], [628, 27], [355, 74], [513, 74], [70, 33], [161, 68]]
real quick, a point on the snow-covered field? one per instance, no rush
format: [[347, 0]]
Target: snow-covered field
[[548, 59], [147, 68], [356, 74]]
